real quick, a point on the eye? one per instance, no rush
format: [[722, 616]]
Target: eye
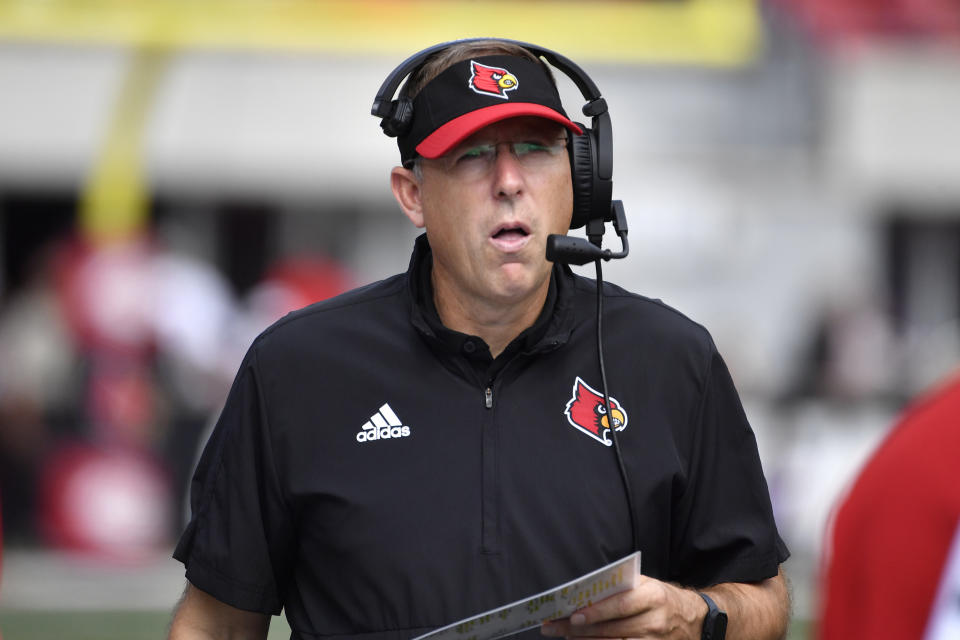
[[480, 152], [602, 409], [527, 148], [533, 150]]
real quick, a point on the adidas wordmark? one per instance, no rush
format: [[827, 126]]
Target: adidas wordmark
[[382, 425]]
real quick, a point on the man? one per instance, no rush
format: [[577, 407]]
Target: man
[[432, 446], [893, 564]]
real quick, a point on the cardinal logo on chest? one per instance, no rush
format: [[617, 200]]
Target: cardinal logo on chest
[[587, 412]]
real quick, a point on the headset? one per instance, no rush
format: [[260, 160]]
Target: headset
[[591, 154], [591, 171]]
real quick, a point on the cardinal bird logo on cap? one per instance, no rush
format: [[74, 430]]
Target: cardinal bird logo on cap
[[491, 81], [588, 413]]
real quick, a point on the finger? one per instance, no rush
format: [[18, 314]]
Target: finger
[[645, 595], [555, 628], [623, 628]]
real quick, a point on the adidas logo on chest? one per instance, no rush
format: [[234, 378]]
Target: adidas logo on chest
[[382, 425]]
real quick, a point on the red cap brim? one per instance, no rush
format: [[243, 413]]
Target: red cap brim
[[452, 133]]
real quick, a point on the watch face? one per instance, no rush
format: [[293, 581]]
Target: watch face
[[719, 631], [715, 622]]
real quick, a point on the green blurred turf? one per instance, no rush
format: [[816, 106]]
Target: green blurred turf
[[99, 625], [137, 625]]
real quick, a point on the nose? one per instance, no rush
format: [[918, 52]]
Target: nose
[[508, 174]]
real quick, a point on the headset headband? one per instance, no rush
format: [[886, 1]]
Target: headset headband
[[595, 105]]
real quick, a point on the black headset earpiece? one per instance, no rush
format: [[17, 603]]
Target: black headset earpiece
[[591, 154], [580, 149], [400, 118], [591, 193]]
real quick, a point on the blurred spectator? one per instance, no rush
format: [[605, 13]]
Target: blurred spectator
[[288, 284], [113, 358], [850, 356], [904, 18], [150, 326], [39, 393], [110, 501], [892, 567]]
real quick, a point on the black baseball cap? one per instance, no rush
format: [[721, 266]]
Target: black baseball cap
[[474, 93]]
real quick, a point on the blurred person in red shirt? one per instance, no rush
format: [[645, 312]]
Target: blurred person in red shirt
[[892, 568]]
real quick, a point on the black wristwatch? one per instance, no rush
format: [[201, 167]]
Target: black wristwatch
[[715, 624]]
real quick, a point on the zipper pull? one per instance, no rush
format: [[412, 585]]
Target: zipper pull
[[488, 398]]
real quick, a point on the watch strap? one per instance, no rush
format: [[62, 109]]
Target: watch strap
[[715, 622]]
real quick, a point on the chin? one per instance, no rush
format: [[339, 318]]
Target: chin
[[515, 284]]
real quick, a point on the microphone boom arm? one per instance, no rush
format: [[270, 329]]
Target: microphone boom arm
[[571, 250]]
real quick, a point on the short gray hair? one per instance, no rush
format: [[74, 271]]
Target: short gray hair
[[416, 165]]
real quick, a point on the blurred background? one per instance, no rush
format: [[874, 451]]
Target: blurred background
[[176, 175]]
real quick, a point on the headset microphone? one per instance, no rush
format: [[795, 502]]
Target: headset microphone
[[572, 250]]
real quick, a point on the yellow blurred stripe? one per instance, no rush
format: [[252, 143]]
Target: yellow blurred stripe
[[705, 32], [115, 200]]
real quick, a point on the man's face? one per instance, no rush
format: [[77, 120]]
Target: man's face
[[488, 215]]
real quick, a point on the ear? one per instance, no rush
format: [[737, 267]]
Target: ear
[[406, 189]]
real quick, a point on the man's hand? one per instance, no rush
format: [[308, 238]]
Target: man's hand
[[652, 609], [655, 609]]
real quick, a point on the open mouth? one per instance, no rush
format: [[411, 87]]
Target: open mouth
[[510, 237], [509, 233]]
